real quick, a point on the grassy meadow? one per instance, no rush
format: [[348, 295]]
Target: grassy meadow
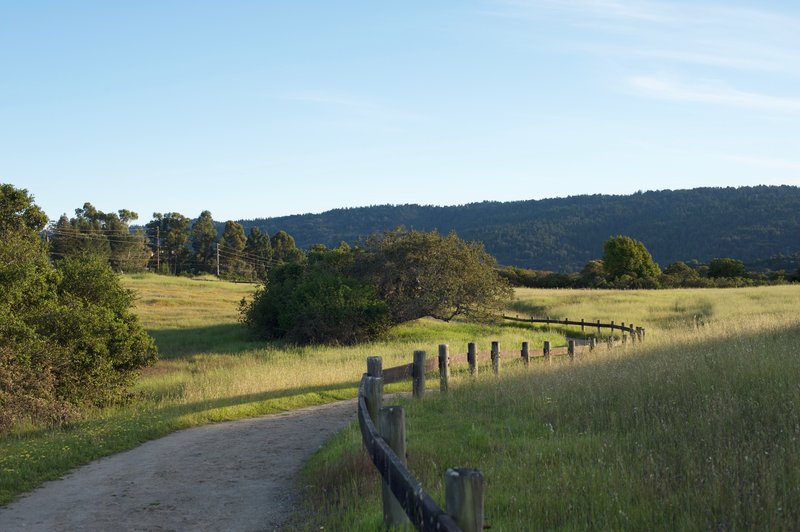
[[698, 428], [212, 370]]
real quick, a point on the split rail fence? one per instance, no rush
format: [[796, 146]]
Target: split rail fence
[[383, 429]]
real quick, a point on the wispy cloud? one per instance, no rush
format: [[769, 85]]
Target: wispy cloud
[[695, 33], [714, 93]]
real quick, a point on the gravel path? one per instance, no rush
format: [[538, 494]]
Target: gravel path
[[239, 475]]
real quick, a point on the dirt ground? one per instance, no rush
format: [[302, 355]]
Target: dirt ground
[[233, 476]]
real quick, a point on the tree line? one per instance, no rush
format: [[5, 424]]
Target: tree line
[[171, 243], [626, 263]]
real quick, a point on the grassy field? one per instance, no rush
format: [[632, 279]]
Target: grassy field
[[211, 370], [699, 428]]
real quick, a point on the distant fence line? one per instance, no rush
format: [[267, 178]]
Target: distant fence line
[[383, 429]]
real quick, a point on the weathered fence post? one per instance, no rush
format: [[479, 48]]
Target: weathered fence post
[[444, 367], [375, 366], [526, 357], [598, 327], [373, 388], [496, 358], [547, 350], [624, 338], [472, 359], [571, 349], [641, 334], [592, 343], [464, 493], [418, 374], [392, 428], [611, 342], [583, 326], [632, 332]]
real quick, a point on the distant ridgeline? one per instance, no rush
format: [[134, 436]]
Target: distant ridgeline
[[749, 223]]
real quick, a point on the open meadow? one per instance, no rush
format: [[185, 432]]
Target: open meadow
[[212, 370], [698, 428]]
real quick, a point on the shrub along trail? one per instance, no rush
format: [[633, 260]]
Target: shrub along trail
[[239, 475]]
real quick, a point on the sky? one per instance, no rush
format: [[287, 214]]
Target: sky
[[254, 109]]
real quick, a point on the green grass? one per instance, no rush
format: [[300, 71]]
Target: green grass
[[211, 370], [699, 428]]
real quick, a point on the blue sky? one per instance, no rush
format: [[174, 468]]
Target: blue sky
[[258, 108]]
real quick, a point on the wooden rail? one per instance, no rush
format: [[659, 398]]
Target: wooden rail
[[421, 509]]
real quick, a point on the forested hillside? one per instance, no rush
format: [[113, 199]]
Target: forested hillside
[[748, 223]]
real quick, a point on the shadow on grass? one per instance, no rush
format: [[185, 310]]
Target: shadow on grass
[[228, 338]]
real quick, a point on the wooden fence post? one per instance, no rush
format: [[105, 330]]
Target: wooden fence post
[[598, 327], [472, 359], [526, 357], [592, 343], [392, 429], [547, 350], [464, 494], [632, 332], [496, 358], [583, 326], [624, 338], [571, 349], [373, 388], [641, 334], [444, 367], [418, 374], [375, 366], [611, 342]]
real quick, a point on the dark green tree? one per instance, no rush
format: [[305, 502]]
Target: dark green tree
[[624, 256], [313, 302], [284, 248], [726, 267], [231, 250], [204, 241], [258, 250], [18, 212]]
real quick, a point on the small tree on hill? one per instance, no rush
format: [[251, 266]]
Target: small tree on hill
[[625, 257]]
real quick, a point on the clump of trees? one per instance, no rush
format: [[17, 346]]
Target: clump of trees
[[348, 295], [67, 334], [627, 263]]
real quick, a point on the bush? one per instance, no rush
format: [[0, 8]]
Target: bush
[[309, 304]]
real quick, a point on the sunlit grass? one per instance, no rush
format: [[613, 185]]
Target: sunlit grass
[[699, 428]]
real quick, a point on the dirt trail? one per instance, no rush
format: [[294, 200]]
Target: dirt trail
[[239, 475]]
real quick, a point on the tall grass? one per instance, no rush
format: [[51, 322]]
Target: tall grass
[[698, 428]]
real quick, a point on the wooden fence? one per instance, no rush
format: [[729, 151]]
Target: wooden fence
[[383, 429]]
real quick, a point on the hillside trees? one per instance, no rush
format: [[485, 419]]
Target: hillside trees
[[67, 335], [726, 267]]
